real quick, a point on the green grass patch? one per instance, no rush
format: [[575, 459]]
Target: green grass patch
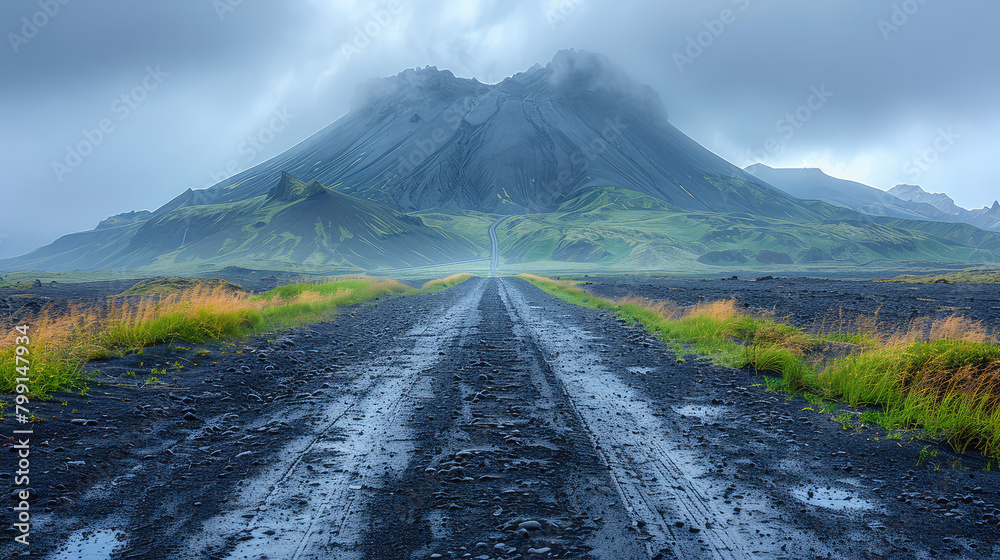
[[174, 285], [298, 304], [443, 283], [963, 277], [947, 386], [59, 346]]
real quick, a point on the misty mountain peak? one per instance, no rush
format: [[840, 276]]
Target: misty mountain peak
[[583, 70], [411, 84], [572, 72], [571, 75]]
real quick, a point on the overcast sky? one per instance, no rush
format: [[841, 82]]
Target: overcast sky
[[120, 105]]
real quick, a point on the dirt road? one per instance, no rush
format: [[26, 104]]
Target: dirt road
[[489, 421]]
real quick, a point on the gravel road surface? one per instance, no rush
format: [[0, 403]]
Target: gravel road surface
[[488, 421]]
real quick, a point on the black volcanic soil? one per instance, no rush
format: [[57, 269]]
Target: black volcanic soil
[[16, 303], [492, 421], [808, 302]]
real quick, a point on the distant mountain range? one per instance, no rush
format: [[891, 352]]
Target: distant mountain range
[[901, 201], [987, 217], [581, 155]]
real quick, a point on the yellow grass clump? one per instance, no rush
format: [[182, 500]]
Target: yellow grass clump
[[62, 339]]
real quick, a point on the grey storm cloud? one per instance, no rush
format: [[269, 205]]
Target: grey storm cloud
[[114, 106]]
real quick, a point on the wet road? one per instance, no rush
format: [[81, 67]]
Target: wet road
[[492, 421]]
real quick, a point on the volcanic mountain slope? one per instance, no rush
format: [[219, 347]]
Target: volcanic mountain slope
[[425, 139], [293, 225]]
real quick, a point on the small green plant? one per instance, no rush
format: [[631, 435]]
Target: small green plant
[[813, 398], [65, 403], [873, 417], [844, 419], [156, 371], [177, 366], [153, 381], [202, 353], [773, 384], [130, 373], [85, 391], [926, 453]]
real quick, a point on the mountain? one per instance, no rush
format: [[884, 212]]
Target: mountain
[[901, 201], [813, 184], [426, 139], [987, 217], [581, 156], [294, 225], [940, 201]]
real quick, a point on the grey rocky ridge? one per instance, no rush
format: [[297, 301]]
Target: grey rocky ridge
[[901, 201], [987, 217]]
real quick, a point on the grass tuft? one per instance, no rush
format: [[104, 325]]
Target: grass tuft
[[61, 343], [444, 283]]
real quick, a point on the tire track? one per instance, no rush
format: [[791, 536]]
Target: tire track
[[661, 483], [311, 503], [504, 469]]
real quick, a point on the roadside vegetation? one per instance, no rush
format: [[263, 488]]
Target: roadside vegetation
[[62, 341], [967, 277], [941, 377]]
